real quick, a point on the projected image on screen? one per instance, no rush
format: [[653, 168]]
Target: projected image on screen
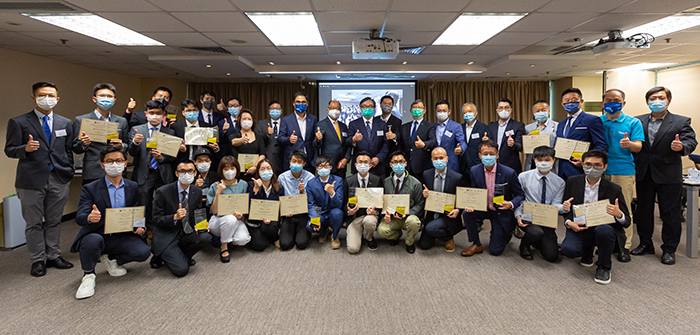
[[349, 94], [350, 102]]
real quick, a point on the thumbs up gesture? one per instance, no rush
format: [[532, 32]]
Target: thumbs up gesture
[[131, 105], [419, 143], [226, 125], [357, 137], [486, 137], [138, 138], [330, 189], [270, 130], [220, 106], [319, 134], [199, 181], [566, 206], [300, 187], [32, 145], [95, 215], [390, 134], [614, 210], [458, 150], [677, 145], [625, 142], [511, 142], [257, 185], [180, 214], [293, 138], [425, 191]]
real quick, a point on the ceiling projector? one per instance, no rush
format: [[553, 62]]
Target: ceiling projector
[[616, 41], [375, 47]]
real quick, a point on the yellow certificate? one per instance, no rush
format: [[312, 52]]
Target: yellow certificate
[[439, 202], [247, 161], [229, 203], [369, 197], [540, 214], [198, 135], [530, 142], [119, 220], [397, 203], [594, 213], [166, 144], [264, 209], [99, 131], [566, 148], [295, 204], [474, 198]]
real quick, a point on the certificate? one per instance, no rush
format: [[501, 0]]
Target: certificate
[[474, 198], [264, 209], [397, 203], [229, 203], [369, 197], [540, 214], [594, 213], [247, 161], [99, 131], [166, 144], [566, 148], [295, 204], [119, 220], [439, 202], [198, 135], [530, 142]]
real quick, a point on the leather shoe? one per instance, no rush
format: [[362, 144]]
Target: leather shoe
[[156, 262], [525, 253], [191, 262], [642, 250], [473, 249], [225, 259], [624, 256], [410, 248], [59, 263], [668, 258], [38, 269], [396, 241], [450, 245]]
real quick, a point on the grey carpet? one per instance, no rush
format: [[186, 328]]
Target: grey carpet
[[388, 291]]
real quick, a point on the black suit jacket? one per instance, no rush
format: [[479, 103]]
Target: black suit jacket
[[272, 151], [165, 204], [418, 159], [135, 118], [665, 164], [331, 146], [91, 160], [375, 144], [452, 181], [142, 156], [471, 156], [509, 156], [351, 183]]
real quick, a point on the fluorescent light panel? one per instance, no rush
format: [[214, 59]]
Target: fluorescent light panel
[[288, 29], [665, 26], [97, 27], [364, 72], [641, 67], [474, 29]]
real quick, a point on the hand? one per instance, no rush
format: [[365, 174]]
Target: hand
[[32, 145], [419, 144], [387, 217], [237, 215], [576, 162], [329, 188], [486, 137], [251, 170], [575, 226], [266, 221], [425, 191], [173, 120], [469, 210], [95, 215], [220, 106], [458, 150], [614, 210], [390, 134], [315, 228], [85, 139], [357, 137], [625, 142], [373, 162], [220, 187], [116, 142], [319, 134], [453, 214], [343, 162], [293, 138], [270, 130], [300, 187], [371, 211], [505, 205], [400, 217], [139, 231], [257, 185], [520, 222], [157, 154], [566, 206], [289, 215], [226, 125], [511, 141], [183, 148], [353, 210], [677, 145], [246, 139], [214, 146], [199, 182], [180, 214], [138, 138]]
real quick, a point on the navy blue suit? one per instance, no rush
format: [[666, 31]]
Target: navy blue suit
[[418, 159], [470, 156], [225, 149], [450, 138], [216, 116], [587, 128], [288, 126], [330, 210], [375, 143], [509, 156]]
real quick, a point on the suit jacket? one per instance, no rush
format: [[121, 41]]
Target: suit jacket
[[226, 149], [470, 156], [452, 181], [418, 159], [179, 130], [288, 126], [91, 160], [665, 164], [607, 190], [452, 136], [215, 115], [320, 202], [512, 191], [375, 144], [509, 156], [34, 167], [96, 193], [394, 144], [351, 183], [410, 186], [136, 118], [272, 151], [165, 204], [142, 156], [550, 125], [332, 146], [587, 128]]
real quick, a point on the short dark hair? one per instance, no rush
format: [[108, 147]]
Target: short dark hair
[[156, 104], [41, 84], [387, 97], [228, 161], [329, 102], [572, 90], [374, 104], [271, 103], [164, 89], [362, 153], [540, 101], [542, 152], [301, 94], [240, 102], [249, 112], [110, 148], [442, 102], [186, 161], [658, 89], [320, 159], [104, 86], [506, 100], [298, 153], [615, 90], [595, 153], [488, 143], [417, 101], [204, 93], [396, 153], [187, 102]]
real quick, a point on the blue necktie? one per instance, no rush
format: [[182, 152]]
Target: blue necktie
[[369, 129], [567, 130], [544, 191], [413, 132], [47, 132], [154, 161]]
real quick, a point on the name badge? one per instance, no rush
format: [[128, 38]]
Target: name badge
[[509, 132], [344, 134], [448, 134], [380, 133], [474, 136], [60, 132]]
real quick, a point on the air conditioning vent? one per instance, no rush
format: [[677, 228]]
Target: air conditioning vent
[[412, 50], [218, 50]]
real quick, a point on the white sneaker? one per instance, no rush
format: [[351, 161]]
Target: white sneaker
[[87, 287], [114, 269]]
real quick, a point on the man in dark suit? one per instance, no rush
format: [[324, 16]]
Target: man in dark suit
[[360, 219], [579, 126], [325, 201], [508, 133], [190, 112], [114, 249], [139, 117], [440, 225], [368, 134], [291, 135], [175, 240], [209, 114], [270, 128], [104, 95], [417, 141], [474, 132], [659, 170], [331, 136], [393, 123], [229, 124], [42, 142], [504, 194], [580, 239]]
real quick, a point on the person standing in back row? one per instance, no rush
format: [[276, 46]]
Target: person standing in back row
[[509, 136]]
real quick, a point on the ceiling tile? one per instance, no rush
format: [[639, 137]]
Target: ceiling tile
[[427, 6], [653, 6], [147, 22], [419, 21], [680, 37], [54, 50], [350, 21], [25, 23], [252, 39], [588, 6], [156, 51], [549, 22], [244, 51], [336, 5], [12, 38], [509, 38], [342, 38], [272, 5], [115, 6], [340, 50], [73, 39], [608, 22], [303, 50], [494, 50], [414, 38], [183, 39], [504, 6], [447, 49], [193, 6], [217, 22], [568, 38]]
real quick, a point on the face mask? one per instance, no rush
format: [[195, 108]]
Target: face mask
[[203, 167], [275, 113], [488, 160], [398, 169], [592, 173], [114, 169], [161, 100], [208, 105], [612, 107], [541, 116], [233, 110], [386, 109], [368, 112], [324, 172], [417, 112], [334, 114], [439, 164], [362, 168], [46, 103], [504, 114], [105, 103], [571, 107], [442, 116], [185, 178], [247, 124], [296, 168], [469, 117], [544, 167], [266, 175], [191, 116], [230, 174], [658, 106], [154, 120], [300, 108]]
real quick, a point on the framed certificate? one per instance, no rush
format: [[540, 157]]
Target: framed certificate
[[166, 144], [247, 161], [594, 213], [99, 131], [229, 203], [439, 202], [125, 219], [397, 203], [540, 214], [295, 204], [474, 198], [530, 142], [566, 148], [264, 209], [369, 197]]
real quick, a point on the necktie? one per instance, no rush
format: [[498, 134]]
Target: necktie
[[209, 118], [567, 130], [544, 191], [102, 118], [186, 220], [47, 132], [413, 131], [369, 129], [154, 161], [397, 188], [275, 128], [337, 130], [437, 186], [364, 183]]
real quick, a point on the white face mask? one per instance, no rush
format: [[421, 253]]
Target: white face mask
[[230, 174], [155, 120], [247, 124], [504, 114], [46, 103], [544, 167], [114, 169], [334, 114], [185, 178], [442, 116], [203, 167], [362, 168]]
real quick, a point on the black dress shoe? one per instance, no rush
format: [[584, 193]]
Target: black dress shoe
[[191, 262], [156, 262], [668, 258], [396, 241], [225, 259], [525, 253], [624, 256], [372, 245], [642, 250], [59, 263], [410, 248], [38, 269]]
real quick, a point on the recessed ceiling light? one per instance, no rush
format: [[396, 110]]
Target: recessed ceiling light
[[641, 67], [470, 63], [532, 65], [288, 29], [271, 63], [508, 73], [96, 27], [337, 62], [474, 29], [405, 62], [208, 65], [228, 73]]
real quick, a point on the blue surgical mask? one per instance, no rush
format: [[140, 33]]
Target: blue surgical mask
[[440, 164], [469, 117], [296, 168], [571, 107], [191, 116], [275, 113], [488, 160], [300, 108], [324, 172], [541, 116], [398, 169], [105, 103], [368, 112], [233, 110], [266, 175], [658, 106], [612, 107]]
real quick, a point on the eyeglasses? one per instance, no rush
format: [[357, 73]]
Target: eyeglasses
[[566, 101], [105, 96], [589, 165], [367, 106], [118, 161], [300, 102], [186, 171], [507, 108], [398, 162]]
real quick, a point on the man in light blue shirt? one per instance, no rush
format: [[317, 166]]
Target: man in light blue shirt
[[293, 227]]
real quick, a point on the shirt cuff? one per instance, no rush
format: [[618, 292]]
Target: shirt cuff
[[620, 220]]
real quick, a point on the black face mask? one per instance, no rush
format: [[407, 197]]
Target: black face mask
[[209, 105]]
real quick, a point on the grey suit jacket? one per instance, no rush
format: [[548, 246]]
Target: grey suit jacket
[[272, 151], [91, 160], [142, 156]]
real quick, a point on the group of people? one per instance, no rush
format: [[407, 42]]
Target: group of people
[[298, 154]]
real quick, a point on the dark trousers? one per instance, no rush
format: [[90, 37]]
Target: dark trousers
[[332, 219], [262, 236], [581, 244], [146, 193], [124, 248], [669, 197], [293, 231], [436, 229], [176, 256], [502, 226], [543, 239]]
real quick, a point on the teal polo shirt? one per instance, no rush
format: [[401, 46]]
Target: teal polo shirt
[[620, 160]]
